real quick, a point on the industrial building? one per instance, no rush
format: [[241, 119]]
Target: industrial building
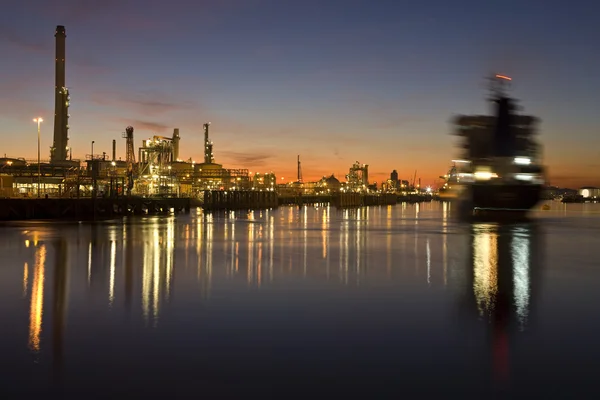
[[159, 170], [358, 178], [156, 168]]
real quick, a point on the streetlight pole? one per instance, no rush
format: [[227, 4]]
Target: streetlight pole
[[39, 121]]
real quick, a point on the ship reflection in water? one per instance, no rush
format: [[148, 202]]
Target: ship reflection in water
[[360, 301], [506, 263]]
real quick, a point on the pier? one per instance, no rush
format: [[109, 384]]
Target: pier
[[304, 199], [238, 200], [342, 200], [90, 209]]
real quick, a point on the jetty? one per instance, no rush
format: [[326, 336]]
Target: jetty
[[88, 209]]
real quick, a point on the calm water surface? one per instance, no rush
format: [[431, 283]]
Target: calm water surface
[[381, 302]]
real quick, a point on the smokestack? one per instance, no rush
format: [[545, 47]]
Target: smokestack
[[208, 154], [176, 144], [61, 103], [114, 158]]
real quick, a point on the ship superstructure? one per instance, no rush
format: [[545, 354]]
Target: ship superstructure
[[500, 166]]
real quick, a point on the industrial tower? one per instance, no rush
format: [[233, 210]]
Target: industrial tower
[[59, 150], [129, 151], [176, 139], [208, 146], [299, 170]]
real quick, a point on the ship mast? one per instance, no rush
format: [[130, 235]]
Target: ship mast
[[498, 86]]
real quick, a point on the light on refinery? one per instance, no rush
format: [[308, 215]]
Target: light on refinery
[[522, 161]]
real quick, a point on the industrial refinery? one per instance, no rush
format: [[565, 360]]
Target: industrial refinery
[[155, 168]]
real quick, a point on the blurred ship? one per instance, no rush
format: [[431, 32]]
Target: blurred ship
[[500, 169], [453, 186]]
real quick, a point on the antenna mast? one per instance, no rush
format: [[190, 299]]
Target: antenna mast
[[498, 85]]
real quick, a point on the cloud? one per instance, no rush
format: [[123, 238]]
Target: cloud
[[146, 125], [154, 106], [90, 64], [9, 36], [121, 15], [379, 113], [146, 103], [254, 159], [77, 10]]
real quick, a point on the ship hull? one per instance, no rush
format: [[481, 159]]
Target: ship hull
[[505, 199]]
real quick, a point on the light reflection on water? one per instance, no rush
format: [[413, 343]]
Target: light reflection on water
[[37, 299], [295, 273]]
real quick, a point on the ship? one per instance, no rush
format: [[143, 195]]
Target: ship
[[500, 169]]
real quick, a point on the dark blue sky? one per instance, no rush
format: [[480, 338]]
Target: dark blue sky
[[333, 80]]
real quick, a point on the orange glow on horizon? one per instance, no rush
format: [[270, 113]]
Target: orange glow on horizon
[[508, 78]]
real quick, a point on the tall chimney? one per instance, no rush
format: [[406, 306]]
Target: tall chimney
[[208, 154], [114, 158], [61, 103], [176, 144]]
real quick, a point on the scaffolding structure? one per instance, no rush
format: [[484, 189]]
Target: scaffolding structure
[[358, 177], [155, 175]]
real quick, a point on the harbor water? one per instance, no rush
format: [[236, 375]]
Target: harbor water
[[378, 301]]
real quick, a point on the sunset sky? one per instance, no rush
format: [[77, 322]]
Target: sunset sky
[[335, 81]]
